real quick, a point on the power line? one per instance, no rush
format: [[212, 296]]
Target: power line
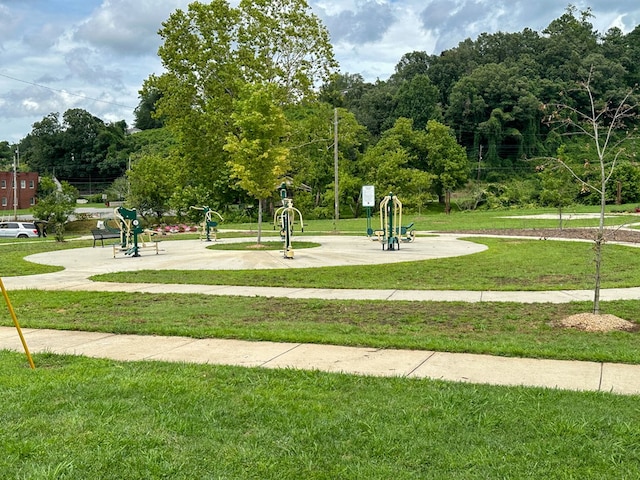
[[65, 92]]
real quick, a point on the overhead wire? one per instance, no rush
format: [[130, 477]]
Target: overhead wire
[[66, 92]]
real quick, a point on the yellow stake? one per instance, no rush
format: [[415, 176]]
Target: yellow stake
[[15, 322]]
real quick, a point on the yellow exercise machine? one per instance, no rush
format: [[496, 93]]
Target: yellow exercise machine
[[131, 232], [208, 224], [391, 229], [285, 216]]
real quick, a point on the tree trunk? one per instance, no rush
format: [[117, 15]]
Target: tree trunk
[[598, 247], [259, 221], [560, 216]]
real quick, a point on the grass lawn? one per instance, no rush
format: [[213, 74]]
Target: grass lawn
[[508, 264], [268, 245], [79, 418]]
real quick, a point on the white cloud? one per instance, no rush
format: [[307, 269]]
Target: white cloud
[[105, 49]]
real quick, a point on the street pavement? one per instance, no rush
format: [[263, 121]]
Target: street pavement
[[80, 264]]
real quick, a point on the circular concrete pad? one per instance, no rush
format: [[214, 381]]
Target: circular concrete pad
[[194, 255]]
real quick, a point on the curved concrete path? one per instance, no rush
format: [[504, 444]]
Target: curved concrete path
[[80, 264]]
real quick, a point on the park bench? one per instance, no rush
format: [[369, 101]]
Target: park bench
[[102, 234]]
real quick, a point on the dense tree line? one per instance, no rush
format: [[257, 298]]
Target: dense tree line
[[491, 91], [78, 146], [478, 112]]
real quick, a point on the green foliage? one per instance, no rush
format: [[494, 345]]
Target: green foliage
[[492, 91], [56, 202], [259, 158], [211, 52], [392, 164], [152, 181], [79, 146], [118, 190], [145, 113], [6, 156], [446, 159], [418, 99]]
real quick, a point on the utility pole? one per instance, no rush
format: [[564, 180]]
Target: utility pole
[[16, 161], [336, 200]]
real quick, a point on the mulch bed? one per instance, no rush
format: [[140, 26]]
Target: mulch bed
[[611, 235]]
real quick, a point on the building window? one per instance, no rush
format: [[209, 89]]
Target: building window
[[31, 184], [4, 201], [23, 184], [32, 201], [3, 184]]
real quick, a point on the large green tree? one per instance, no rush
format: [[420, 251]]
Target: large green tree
[[152, 182], [259, 158], [212, 50], [446, 160], [396, 164], [80, 146]]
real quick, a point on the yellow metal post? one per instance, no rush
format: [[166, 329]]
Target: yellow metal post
[[15, 322]]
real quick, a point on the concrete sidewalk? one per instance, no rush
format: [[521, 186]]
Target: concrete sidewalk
[[485, 369]]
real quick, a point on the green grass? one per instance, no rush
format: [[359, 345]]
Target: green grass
[[252, 246], [508, 264], [78, 418], [434, 220], [13, 253], [507, 329]]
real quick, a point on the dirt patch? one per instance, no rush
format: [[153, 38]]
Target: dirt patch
[[257, 246], [591, 322]]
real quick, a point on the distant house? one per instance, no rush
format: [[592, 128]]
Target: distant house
[[24, 193]]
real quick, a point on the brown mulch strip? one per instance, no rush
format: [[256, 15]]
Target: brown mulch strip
[[611, 235]]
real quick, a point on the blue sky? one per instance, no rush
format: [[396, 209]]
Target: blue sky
[[95, 54]]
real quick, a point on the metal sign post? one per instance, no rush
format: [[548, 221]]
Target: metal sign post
[[368, 202]]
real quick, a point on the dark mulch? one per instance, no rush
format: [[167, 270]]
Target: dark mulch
[[611, 235]]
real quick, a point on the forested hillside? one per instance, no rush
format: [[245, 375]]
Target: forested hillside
[[491, 90]]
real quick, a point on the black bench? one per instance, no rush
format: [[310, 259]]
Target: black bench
[[102, 234]]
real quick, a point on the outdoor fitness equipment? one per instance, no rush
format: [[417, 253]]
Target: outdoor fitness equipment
[[285, 217], [130, 231], [209, 225], [391, 229]]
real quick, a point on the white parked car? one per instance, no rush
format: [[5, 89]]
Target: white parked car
[[18, 230]]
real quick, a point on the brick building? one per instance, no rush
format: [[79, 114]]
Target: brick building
[[26, 190]]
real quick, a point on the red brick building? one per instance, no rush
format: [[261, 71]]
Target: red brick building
[[27, 185]]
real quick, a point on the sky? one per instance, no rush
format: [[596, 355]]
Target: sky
[[95, 54]]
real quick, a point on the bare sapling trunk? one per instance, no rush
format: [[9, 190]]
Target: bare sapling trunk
[[604, 125]]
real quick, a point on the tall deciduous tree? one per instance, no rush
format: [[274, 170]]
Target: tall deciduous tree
[[259, 158], [212, 50], [446, 160], [152, 182], [396, 164]]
